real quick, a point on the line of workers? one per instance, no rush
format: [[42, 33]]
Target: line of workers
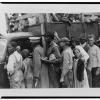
[[67, 64]]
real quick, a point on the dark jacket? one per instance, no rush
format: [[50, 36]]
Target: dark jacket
[[80, 70]]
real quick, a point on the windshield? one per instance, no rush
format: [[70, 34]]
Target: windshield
[[3, 43]]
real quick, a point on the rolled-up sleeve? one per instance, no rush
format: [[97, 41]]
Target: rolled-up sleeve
[[10, 65], [57, 52]]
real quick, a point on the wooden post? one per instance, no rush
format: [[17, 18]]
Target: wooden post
[[41, 19], [7, 23], [48, 17], [98, 29], [83, 25]]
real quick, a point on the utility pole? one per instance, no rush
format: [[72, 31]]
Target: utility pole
[[41, 19], [83, 25], [7, 23]]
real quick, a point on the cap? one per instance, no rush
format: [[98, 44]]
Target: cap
[[34, 39], [64, 39]]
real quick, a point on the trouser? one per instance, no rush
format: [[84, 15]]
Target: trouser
[[17, 79], [29, 82], [89, 74], [54, 77], [68, 80], [36, 82], [18, 84], [4, 82], [95, 78]]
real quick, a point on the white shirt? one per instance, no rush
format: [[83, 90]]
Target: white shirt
[[67, 55], [12, 61], [68, 58]]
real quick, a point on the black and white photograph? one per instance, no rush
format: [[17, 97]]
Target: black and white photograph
[[49, 50]]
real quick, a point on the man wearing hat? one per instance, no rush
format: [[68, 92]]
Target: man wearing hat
[[67, 55], [40, 72]]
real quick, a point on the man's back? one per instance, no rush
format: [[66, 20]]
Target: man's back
[[37, 54], [68, 58]]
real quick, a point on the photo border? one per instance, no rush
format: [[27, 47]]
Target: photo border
[[47, 97]]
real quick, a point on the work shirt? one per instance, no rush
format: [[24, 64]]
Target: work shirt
[[54, 48], [14, 69], [12, 61], [67, 58], [67, 55], [94, 53]]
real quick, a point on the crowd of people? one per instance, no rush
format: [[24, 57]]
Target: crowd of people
[[66, 64]]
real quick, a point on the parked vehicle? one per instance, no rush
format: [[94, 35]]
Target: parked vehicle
[[22, 39]]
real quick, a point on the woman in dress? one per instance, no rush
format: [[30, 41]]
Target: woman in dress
[[40, 69], [53, 62], [27, 69], [79, 68]]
